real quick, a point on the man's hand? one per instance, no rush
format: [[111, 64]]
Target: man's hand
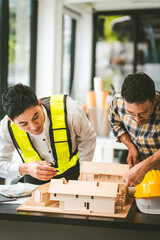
[[37, 170], [134, 176], [132, 158]]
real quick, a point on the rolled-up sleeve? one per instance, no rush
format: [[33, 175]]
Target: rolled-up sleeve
[[117, 126], [8, 169]]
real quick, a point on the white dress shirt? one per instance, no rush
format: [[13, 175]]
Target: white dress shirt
[[81, 131]]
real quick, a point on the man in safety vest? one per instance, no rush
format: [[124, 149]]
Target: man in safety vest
[[50, 134], [135, 121]]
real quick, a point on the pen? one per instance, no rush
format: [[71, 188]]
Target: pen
[[45, 164]]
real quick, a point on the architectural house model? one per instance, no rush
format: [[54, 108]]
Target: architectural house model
[[40, 196], [96, 197], [99, 191], [108, 172]]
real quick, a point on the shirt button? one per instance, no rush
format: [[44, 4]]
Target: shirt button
[[49, 151], [44, 139]]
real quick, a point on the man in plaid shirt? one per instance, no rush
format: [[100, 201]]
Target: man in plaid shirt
[[135, 121]]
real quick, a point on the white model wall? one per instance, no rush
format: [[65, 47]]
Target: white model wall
[[96, 205]]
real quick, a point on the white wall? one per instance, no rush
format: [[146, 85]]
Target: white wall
[[83, 57], [49, 30], [102, 5], [49, 50]]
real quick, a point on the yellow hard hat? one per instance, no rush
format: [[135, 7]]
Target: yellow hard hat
[[150, 186]]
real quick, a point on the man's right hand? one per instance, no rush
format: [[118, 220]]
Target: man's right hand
[[37, 170], [132, 158]]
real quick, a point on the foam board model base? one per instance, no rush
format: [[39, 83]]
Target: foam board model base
[[54, 208]]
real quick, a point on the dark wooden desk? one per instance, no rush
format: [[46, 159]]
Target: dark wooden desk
[[30, 225]]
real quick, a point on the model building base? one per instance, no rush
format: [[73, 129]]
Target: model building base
[[54, 208]]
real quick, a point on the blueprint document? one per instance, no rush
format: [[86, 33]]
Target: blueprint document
[[16, 193]]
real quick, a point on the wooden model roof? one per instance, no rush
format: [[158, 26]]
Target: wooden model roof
[[104, 168], [43, 188], [89, 188]]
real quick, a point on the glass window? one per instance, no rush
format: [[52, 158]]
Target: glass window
[[148, 46], [19, 42], [114, 49], [127, 43], [68, 53]]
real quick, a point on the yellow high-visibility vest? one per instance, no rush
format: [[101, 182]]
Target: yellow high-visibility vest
[[61, 141]]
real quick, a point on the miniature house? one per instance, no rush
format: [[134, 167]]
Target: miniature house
[[98, 197], [108, 172], [40, 196], [99, 190]]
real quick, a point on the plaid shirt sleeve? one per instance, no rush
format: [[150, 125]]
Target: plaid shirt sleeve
[[116, 124]]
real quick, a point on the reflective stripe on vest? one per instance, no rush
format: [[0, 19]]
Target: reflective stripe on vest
[[27, 152], [59, 128]]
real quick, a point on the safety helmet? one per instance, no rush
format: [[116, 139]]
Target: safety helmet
[[150, 186]]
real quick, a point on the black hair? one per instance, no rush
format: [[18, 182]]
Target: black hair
[[138, 88], [17, 99]]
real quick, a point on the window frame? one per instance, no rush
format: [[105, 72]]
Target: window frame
[[74, 17], [135, 17], [4, 47], [4, 35]]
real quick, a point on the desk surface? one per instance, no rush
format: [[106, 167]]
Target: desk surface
[[134, 221]]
